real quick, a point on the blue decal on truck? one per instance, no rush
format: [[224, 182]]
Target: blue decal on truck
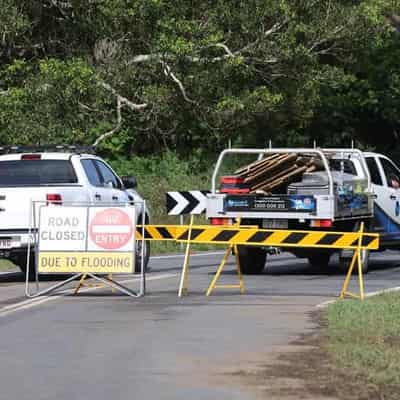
[[391, 229]]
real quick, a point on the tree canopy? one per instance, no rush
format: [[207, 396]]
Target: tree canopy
[[143, 76]]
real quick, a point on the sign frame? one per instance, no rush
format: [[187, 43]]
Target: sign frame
[[35, 224], [78, 252]]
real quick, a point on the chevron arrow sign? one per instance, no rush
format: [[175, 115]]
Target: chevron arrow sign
[[191, 202]]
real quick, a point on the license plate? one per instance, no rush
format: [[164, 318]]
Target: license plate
[[275, 224], [5, 243]]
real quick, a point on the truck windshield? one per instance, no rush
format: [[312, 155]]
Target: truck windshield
[[36, 173], [348, 166]]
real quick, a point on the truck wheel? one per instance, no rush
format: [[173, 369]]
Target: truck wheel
[[344, 262], [20, 261], [252, 259], [138, 257], [319, 260]]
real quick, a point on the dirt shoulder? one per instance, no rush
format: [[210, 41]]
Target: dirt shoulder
[[305, 370]]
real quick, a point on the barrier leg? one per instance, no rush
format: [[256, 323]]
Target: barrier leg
[[356, 258], [348, 276], [213, 284], [360, 275], [113, 290], [184, 282], [239, 270], [219, 270], [80, 283]]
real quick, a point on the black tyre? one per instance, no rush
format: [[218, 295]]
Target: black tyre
[[138, 258], [319, 259], [20, 261], [344, 262], [252, 259]]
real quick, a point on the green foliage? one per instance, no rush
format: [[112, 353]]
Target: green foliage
[[157, 175], [245, 71]]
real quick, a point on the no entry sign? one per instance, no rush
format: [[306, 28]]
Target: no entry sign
[[110, 229], [87, 239]]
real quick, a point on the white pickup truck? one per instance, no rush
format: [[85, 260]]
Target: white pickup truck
[[351, 186], [62, 176]]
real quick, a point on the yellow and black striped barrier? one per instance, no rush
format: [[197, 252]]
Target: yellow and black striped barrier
[[259, 237], [236, 235], [157, 232]]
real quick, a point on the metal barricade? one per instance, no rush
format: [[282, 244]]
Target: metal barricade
[[85, 240]]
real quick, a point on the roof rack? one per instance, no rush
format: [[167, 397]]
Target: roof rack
[[53, 148]]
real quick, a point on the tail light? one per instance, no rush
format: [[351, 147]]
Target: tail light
[[321, 223], [53, 198], [220, 221], [233, 185], [31, 157]]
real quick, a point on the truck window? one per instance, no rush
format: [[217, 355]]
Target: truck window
[[91, 172], [348, 166], [16, 173], [391, 171], [107, 174], [374, 171]]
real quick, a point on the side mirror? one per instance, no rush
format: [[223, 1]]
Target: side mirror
[[129, 182]]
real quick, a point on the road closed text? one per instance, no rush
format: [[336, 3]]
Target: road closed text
[[94, 262], [63, 228]]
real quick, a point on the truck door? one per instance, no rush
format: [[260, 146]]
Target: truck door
[[111, 182], [98, 193], [387, 204]]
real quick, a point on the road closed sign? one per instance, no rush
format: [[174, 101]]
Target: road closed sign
[[86, 239]]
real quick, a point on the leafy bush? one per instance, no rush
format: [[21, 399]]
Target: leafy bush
[[157, 175]]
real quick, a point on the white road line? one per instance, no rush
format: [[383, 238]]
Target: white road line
[[37, 301], [30, 303], [182, 255], [325, 304]]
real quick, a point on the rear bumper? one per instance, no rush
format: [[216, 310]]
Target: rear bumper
[[14, 242]]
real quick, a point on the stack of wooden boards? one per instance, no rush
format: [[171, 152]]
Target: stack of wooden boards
[[275, 171]]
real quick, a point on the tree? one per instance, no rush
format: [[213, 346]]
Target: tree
[[149, 75]]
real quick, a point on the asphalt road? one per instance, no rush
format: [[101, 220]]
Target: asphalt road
[[101, 345]]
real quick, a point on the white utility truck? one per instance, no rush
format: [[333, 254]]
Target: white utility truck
[[57, 175], [308, 189]]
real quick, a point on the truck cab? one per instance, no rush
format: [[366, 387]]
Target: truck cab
[[385, 184]]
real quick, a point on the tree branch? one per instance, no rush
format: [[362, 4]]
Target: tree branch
[[121, 102], [226, 48], [124, 100], [168, 72], [158, 57], [115, 129]]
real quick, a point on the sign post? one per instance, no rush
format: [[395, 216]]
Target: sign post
[[86, 240]]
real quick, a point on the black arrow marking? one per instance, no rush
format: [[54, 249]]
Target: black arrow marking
[[171, 202]]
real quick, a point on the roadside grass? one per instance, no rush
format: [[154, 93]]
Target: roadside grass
[[364, 336], [6, 265]]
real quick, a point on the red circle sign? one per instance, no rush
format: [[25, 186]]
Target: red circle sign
[[111, 229]]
